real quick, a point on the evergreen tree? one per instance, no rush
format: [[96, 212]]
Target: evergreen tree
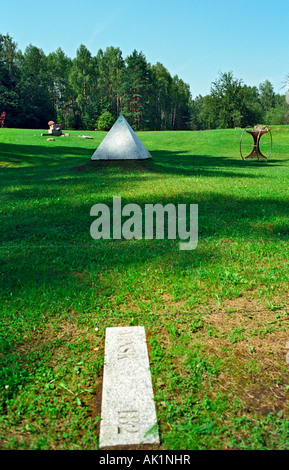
[[252, 110], [160, 98], [267, 95], [180, 109], [196, 109], [110, 69], [83, 80], [208, 113], [59, 66], [226, 96], [36, 105], [135, 90]]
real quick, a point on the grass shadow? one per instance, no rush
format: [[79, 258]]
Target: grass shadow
[[177, 163]]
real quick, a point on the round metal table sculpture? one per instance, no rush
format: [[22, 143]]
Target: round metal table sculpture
[[256, 132]]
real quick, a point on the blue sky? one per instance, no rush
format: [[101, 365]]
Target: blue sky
[[197, 40]]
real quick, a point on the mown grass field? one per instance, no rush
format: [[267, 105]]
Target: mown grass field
[[216, 317]]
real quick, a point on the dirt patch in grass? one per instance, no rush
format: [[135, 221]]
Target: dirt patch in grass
[[48, 334], [250, 339]]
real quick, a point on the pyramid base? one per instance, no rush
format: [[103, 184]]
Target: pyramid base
[[132, 164], [119, 159]]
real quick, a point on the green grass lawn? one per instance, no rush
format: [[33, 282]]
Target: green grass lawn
[[216, 318]]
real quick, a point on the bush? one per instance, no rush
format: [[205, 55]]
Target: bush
[[105, 121], [278, 116]]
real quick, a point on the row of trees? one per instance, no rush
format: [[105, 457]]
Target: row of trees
[[90, 92], [233, 104]]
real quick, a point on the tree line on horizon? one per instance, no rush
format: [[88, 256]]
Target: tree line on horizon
[[89, 92]]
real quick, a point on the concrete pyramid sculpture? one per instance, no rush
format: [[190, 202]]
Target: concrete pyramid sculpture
[[121, 143]]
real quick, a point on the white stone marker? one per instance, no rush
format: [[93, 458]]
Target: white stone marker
[[128, 413]]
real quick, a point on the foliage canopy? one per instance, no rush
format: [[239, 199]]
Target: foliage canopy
[[36, 88]]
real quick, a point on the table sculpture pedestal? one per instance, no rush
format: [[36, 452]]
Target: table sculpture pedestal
[[256, 132]]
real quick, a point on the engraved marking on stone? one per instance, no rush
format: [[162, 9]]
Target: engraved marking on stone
[[129, 421], [126, 347]]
